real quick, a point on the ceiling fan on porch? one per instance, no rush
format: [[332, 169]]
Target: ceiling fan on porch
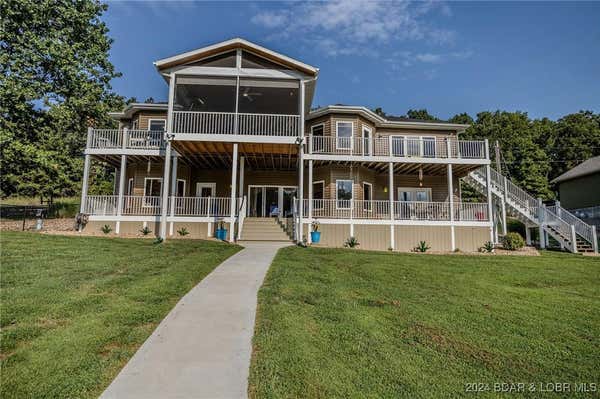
[[248, 95]]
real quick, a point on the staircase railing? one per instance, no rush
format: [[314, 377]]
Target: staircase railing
[[564, 230], [583, 229], [527, 204], [557, 218]]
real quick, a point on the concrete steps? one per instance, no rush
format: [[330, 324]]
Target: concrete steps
[[263, 229]]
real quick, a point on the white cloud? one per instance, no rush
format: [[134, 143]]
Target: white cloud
[[270, 19], [345, 27]]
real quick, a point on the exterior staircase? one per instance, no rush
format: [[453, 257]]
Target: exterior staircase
[[567, 229], [263, 229]]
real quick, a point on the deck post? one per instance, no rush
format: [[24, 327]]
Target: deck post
[[165, 192], [541, 217], [503, 201], [594, 239], [85, 182], [488, 186], [232, 206], [120, 201], [451, 203], [301, 162], [310, 196], [573, 239], [391, 199], [241, 183], [527, 235], [173, 193], [167, 158]]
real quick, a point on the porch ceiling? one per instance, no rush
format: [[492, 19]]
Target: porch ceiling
[[406, 168], [258, 156]]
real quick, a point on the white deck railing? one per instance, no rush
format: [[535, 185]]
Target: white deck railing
[[130, 139], [232, 123], [397, 146], [403, 210], [139, 205], [101, 205], [202, 206]]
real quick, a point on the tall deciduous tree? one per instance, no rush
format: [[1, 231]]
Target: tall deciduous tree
[[55, 82], [421, 114], [576, 137]]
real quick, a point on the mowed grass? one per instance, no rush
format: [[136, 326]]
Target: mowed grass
[[75, 309], [355, 324]]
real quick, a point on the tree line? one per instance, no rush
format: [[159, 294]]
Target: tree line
[[55, 79]]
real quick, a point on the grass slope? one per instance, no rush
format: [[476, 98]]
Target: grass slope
[[75, 309], [352, 324]]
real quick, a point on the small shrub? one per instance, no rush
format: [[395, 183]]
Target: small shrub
[[351, 242], [158, 240], [512, 241], [106, 229], [183, 232], [422, 247], [145, 231], [488, 247]]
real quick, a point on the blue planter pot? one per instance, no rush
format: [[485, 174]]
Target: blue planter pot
[[315, 236], [221, 234]]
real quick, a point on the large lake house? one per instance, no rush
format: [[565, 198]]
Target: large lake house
[[238, 148]]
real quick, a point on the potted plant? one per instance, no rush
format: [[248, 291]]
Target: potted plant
[[221, 232], [315, 234]]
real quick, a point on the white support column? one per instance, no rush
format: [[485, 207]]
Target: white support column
[[301, 163], [122, 174], [165, 191], [541, 220], [310, 195], [167, 159], [451, 204], [573, 239], [504, 197], [391, 199], [300, 193], [594, 239], [241, 183], [233, 193], [488, 186], [527, 235], [173, 193], [85, 182]]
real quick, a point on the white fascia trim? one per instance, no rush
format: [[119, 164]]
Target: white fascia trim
[[156, 218], [397, 222], [125, 151], [382, 122], [368, 158], [127, 113], [234, 41], [235, 138]]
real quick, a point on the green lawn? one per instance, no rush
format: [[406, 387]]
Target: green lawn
[[352, 324], [75, 309]]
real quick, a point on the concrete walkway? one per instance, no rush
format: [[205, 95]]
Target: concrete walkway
[[202, 348]]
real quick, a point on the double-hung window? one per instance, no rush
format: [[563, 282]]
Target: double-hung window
[[344, 135], [343, 193], [408, 194]]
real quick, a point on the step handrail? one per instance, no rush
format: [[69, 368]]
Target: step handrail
[[581, 228]]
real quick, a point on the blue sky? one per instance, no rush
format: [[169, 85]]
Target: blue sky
[[542, 58]]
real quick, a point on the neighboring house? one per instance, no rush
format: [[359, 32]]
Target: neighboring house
[[579, 190], [246, 151]]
